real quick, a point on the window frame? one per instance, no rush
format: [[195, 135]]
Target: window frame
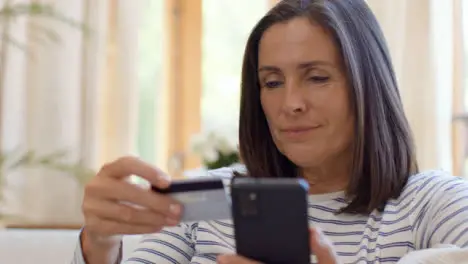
[[179, 112], [460, 117], [180, 115]]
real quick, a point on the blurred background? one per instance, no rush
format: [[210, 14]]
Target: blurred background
[[83, 82]]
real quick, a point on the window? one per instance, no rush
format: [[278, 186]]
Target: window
[[462, 116], [226, 27], [150, 75], [183, 87], [465, 48]]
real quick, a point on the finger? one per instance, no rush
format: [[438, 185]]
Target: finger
[[234, 259], [126, 214], [129, 193], [322, 247], [127, 166], [107, 228]]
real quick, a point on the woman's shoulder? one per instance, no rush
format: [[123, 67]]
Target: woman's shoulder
[[224, 173], [438, 206], [434, 184], [227, 172], [434, 179]]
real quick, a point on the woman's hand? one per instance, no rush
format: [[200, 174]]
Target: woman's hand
[[113, 206], [321, 246]]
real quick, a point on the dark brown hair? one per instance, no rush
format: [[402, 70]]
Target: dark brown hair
[[384, 155]]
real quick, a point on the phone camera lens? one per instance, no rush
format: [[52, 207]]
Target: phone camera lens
[[248, 203]]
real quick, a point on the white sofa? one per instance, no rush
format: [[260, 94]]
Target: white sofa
[[25, 246]]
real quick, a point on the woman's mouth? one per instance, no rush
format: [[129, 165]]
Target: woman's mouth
[[298, 131]]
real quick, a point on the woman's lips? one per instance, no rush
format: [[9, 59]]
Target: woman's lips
[[299, 131]]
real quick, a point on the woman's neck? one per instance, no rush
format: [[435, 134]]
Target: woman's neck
[[326, 183], [329, 178]]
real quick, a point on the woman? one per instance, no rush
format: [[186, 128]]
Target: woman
[[319, 101]]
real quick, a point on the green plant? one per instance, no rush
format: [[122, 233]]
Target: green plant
[[224, 160], [17, 160], [10, 12], [215, 150]]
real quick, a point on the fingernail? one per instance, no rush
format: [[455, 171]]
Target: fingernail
[[175, 209], [171, 221], [318, 229], [222, 259], [318, 232], [322, 242], [166, 181]]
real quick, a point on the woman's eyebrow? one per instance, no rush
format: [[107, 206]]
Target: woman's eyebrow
[[311, 64], [268, 68], [302, 65]]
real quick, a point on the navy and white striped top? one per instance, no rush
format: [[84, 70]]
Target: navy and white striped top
[[432, 210]]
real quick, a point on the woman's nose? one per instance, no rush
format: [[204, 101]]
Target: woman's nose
[[294, 101]]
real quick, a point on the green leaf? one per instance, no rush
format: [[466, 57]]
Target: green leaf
[[47, 32], [224, 160], [16, 159], [15, 43], [19, 9], [40, 10], [52, 157], [24, 159]]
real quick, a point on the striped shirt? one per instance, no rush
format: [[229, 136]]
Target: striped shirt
[[432, 210]]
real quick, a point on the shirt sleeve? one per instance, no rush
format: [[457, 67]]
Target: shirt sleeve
[[78, 256], [171, 245], [442, 214], [439, 255]]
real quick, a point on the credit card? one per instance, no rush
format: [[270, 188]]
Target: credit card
[[203, 198]]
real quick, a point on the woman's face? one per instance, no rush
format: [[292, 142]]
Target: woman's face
[[304, 93]]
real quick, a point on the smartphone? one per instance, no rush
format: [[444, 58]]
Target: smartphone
[[270, 219], [203, 198]]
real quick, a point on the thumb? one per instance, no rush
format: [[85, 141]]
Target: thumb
[[322, 247]]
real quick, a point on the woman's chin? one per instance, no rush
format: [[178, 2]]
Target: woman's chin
[[304, 159]]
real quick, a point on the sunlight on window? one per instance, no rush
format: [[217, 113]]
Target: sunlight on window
[[465, 90], [465, 48], [226, 27], [150, 47]]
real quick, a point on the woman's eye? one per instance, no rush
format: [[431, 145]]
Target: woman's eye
[[319, 79], [273, 84]]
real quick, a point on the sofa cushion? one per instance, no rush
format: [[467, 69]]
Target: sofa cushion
[[25, 246]]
